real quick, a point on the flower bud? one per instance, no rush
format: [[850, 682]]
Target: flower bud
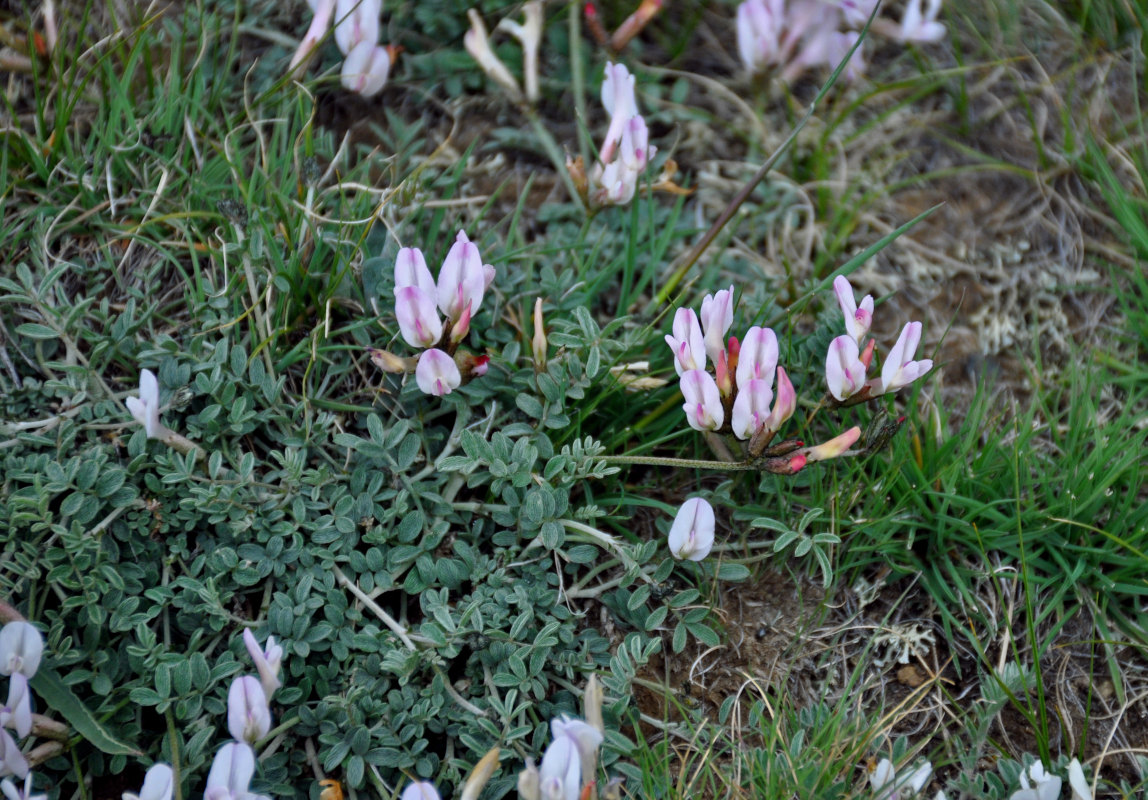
[[538, 343]]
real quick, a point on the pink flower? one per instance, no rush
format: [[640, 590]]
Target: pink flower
[[844, 371], [248, 717], [857, 318], [751, 408], [703, 406], [417, 317], [918, 27], [687, 343], [618, 98], [366, 68], [899, 368], [758, 357], [717, 317], [784, 405], [323, 9], [692, 534], [411, 270], [462, 279], [857, 12], [759, 24], [437, 373], [356, 22], [267, 661], [636, 150]]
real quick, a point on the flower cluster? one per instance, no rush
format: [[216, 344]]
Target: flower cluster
[[740, 396], [21, 648], [366, 63], [846, 364], [248, 721], [462, 281], [1046, 786], [626, 150], [796, 35]]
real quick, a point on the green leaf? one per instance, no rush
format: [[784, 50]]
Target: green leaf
[[36, 331], [733, 572], [60, 698]]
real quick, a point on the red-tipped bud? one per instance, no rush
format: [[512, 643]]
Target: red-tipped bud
[[867, 355]]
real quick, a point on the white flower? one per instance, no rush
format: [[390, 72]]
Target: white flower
[[918, 27], [267, 661], [1077, 782], [887, 786], [157, 784], [248, 717], [21, 647], [420, 790], [356, 22], [366, 68], [692, 534], [437, 373], [231, 774], [145, 408], [10, 792], [899, 368]]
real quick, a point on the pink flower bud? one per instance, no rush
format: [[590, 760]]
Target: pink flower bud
[[834, 447], [784, 405], [437, 373]]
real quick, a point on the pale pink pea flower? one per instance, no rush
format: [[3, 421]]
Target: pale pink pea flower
[[900, 369], [437, 373], [692, 534], [757, 358], [462, 279], [356, 22], [703, 406], [248, 716], [687, 342], [716, 318], [267, 661], [420, 790], [858, 318], [759, 26], [365, 69], [844, 371], [922, 27], [785, 403], [750, 408], [157, 785], [418, 319]]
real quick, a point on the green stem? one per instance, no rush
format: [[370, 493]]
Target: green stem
[[175, 766], [691, 463]]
